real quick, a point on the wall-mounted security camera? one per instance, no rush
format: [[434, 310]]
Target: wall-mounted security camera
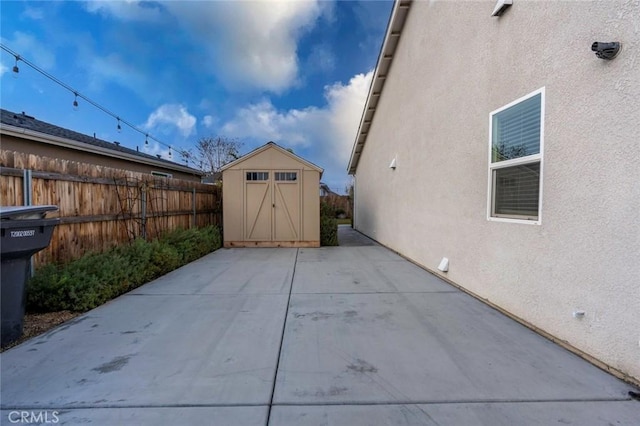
[[501, 6], [606, 50]]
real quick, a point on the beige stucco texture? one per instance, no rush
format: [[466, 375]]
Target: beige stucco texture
[[454, 65], [271, 198]]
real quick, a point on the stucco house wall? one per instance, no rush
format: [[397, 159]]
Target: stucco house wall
[[453, 66]]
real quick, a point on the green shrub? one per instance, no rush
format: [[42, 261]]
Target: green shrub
[[328, 225], [96, 278]]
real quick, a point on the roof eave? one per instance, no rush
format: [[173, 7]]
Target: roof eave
[[385, 58], [10, 130], [278, 147]]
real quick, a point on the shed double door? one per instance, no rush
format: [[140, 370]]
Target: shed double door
[[272, 206]]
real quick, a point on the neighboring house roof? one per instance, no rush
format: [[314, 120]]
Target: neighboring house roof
[[325, 190], [25, 126], [212, 178], [391, 39], [269, 145]]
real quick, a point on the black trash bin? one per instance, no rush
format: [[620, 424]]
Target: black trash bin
[[23, 232]]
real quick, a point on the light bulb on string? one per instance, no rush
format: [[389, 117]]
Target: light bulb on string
[[15, 74], [16, 70]]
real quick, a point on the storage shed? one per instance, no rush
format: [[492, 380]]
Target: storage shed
[[271, 199]]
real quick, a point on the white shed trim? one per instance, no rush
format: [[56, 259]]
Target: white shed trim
[[279, 148]]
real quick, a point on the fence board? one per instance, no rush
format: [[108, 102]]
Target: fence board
[[101, 207]]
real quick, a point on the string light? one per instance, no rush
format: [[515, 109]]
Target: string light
[[16, 70], [77, 95]]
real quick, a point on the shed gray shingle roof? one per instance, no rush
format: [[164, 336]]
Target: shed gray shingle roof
[[24, 121]]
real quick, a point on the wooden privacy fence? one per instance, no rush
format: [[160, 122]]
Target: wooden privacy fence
[[100, 207]]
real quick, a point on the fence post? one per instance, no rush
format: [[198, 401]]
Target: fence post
[[193, 202], [27, 200], [27, 188], [143, 211]]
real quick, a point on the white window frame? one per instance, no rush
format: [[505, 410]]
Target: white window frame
[[287, 175], [262, 173], [529, 159]]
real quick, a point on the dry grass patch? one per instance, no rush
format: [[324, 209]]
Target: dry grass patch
[[36, 324]]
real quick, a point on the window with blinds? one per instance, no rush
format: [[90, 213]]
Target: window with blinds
[[516, 157]]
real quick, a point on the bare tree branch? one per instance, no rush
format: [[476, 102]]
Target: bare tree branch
[[212, 153]]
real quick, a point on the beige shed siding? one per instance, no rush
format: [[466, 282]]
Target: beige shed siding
[[454, 65], [311, 205], [270, 159], [288, 210], [271, 212], [232, 204]]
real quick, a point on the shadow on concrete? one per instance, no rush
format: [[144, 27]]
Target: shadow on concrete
[[349, 237]]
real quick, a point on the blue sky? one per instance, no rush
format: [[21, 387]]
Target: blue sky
[[295, 72]]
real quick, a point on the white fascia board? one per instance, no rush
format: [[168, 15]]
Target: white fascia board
[[394, 29]]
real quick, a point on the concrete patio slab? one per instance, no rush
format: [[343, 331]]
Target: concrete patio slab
[[152, 350], [365, 254], [423, 347], [349, 237], [256, 271], [280, 255], [342, 335], [383, 276], [157, 416], [592, 413]]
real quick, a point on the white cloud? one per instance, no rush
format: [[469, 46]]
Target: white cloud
[[169, 117], [3, 69], [34, 13], [249, 44], [127, 10], [327, 133], [31, 48], [321, 59], [114, 67], [253, 44], [263, 121], [208, 121], [154, 148]]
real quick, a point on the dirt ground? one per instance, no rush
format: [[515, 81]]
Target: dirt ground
[[36, 324]]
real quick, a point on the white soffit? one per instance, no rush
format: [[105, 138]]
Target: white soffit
[[391, 39]]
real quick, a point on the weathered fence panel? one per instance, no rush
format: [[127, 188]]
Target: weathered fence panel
[[100, 207]]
